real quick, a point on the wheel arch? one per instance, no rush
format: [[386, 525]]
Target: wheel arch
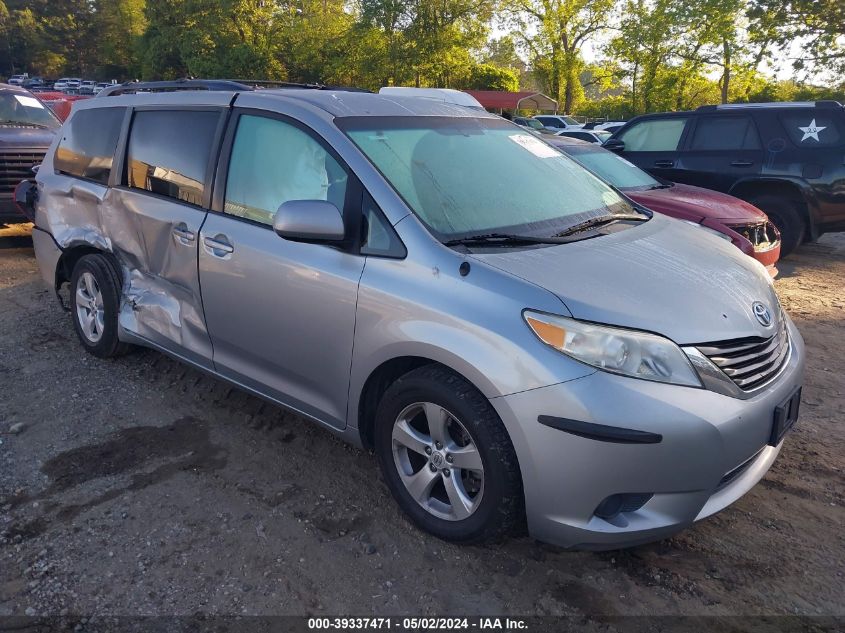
[[793, 190], [384, 375], [71, 255]]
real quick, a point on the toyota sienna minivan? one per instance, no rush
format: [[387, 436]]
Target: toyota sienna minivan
[[517, 341]]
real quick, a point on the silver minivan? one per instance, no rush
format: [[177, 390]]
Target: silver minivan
[[517, 341]]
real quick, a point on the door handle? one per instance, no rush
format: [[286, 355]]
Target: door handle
[[183, 236], [664, 163], [218, 245], [742, 163]]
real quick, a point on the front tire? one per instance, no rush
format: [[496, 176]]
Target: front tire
[[95, 303], [447, 458], [786, 215]]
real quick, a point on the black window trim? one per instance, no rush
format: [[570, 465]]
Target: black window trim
[[208, 180], [353, 204], [115, 159], [690, 137]]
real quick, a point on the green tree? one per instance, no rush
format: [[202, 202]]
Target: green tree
[[491, 77], [555, 32], [119, 24], [818, 24]]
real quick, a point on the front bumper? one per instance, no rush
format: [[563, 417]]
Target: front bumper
[[705, 436]]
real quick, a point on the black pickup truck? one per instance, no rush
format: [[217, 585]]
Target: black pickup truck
[[27, 128]]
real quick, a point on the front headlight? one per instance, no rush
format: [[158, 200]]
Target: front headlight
[[626, 352]]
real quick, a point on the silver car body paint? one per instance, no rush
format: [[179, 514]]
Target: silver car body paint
[[306, 325]]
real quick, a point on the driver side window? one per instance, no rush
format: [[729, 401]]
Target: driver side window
[[273, 162]]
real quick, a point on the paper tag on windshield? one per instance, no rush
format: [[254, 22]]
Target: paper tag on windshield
[[534, 145], [29, 102]]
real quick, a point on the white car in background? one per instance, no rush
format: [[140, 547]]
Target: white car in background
[[63, 83], [558, 121], [610, 126]]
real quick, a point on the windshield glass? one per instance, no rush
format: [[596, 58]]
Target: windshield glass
[[465, 176], [612, 168], [23, 109], [569, 120]]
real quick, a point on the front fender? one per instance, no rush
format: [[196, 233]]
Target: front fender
[[472, 324]]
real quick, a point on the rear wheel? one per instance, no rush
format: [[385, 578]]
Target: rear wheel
[[447, 458], [787, 216], [95, 302]]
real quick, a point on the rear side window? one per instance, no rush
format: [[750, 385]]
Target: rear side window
[[814, 128], [725, 132], [88, 143], [273, 162], [169, 152], [654, 135]]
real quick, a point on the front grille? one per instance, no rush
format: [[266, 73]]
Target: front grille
[[16, 166], [750, 362], [762, 235]]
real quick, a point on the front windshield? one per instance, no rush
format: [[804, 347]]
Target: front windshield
[[570, 121], [467, 176], [22, 109], [612, 168], [602, 135]]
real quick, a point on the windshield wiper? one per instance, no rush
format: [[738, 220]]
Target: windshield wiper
[[667, 186], [600, 220], [24, 123], [504, 239]]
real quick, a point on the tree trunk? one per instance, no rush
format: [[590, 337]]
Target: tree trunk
[[726, 75]]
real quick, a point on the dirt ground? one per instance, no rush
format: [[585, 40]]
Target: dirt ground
[[140, 486]]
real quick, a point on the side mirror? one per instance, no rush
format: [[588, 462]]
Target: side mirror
[[309, 221], [614, 145]]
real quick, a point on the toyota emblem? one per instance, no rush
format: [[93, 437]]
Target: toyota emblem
[[764, 316]]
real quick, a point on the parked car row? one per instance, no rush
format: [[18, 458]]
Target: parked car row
[[516, 337], [67, 85]]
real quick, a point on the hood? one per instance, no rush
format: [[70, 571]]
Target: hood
[[30, 137], [696, 204], [663, 276]]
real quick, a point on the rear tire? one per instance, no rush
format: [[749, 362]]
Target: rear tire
[[95, 288], [786, 215], [461, 465]]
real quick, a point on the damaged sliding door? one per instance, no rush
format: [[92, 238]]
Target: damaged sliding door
[[165, 195]]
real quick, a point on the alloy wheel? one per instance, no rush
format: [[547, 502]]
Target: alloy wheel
[[90, 311], [438, 461]]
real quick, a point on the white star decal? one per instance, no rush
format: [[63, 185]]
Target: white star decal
[[811, 131]]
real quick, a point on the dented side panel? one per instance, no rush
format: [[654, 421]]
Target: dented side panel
[[161, 299], [157, 244]]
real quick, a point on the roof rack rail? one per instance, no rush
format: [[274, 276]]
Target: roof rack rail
[[772, 104], [227, 85], [188, 83]]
